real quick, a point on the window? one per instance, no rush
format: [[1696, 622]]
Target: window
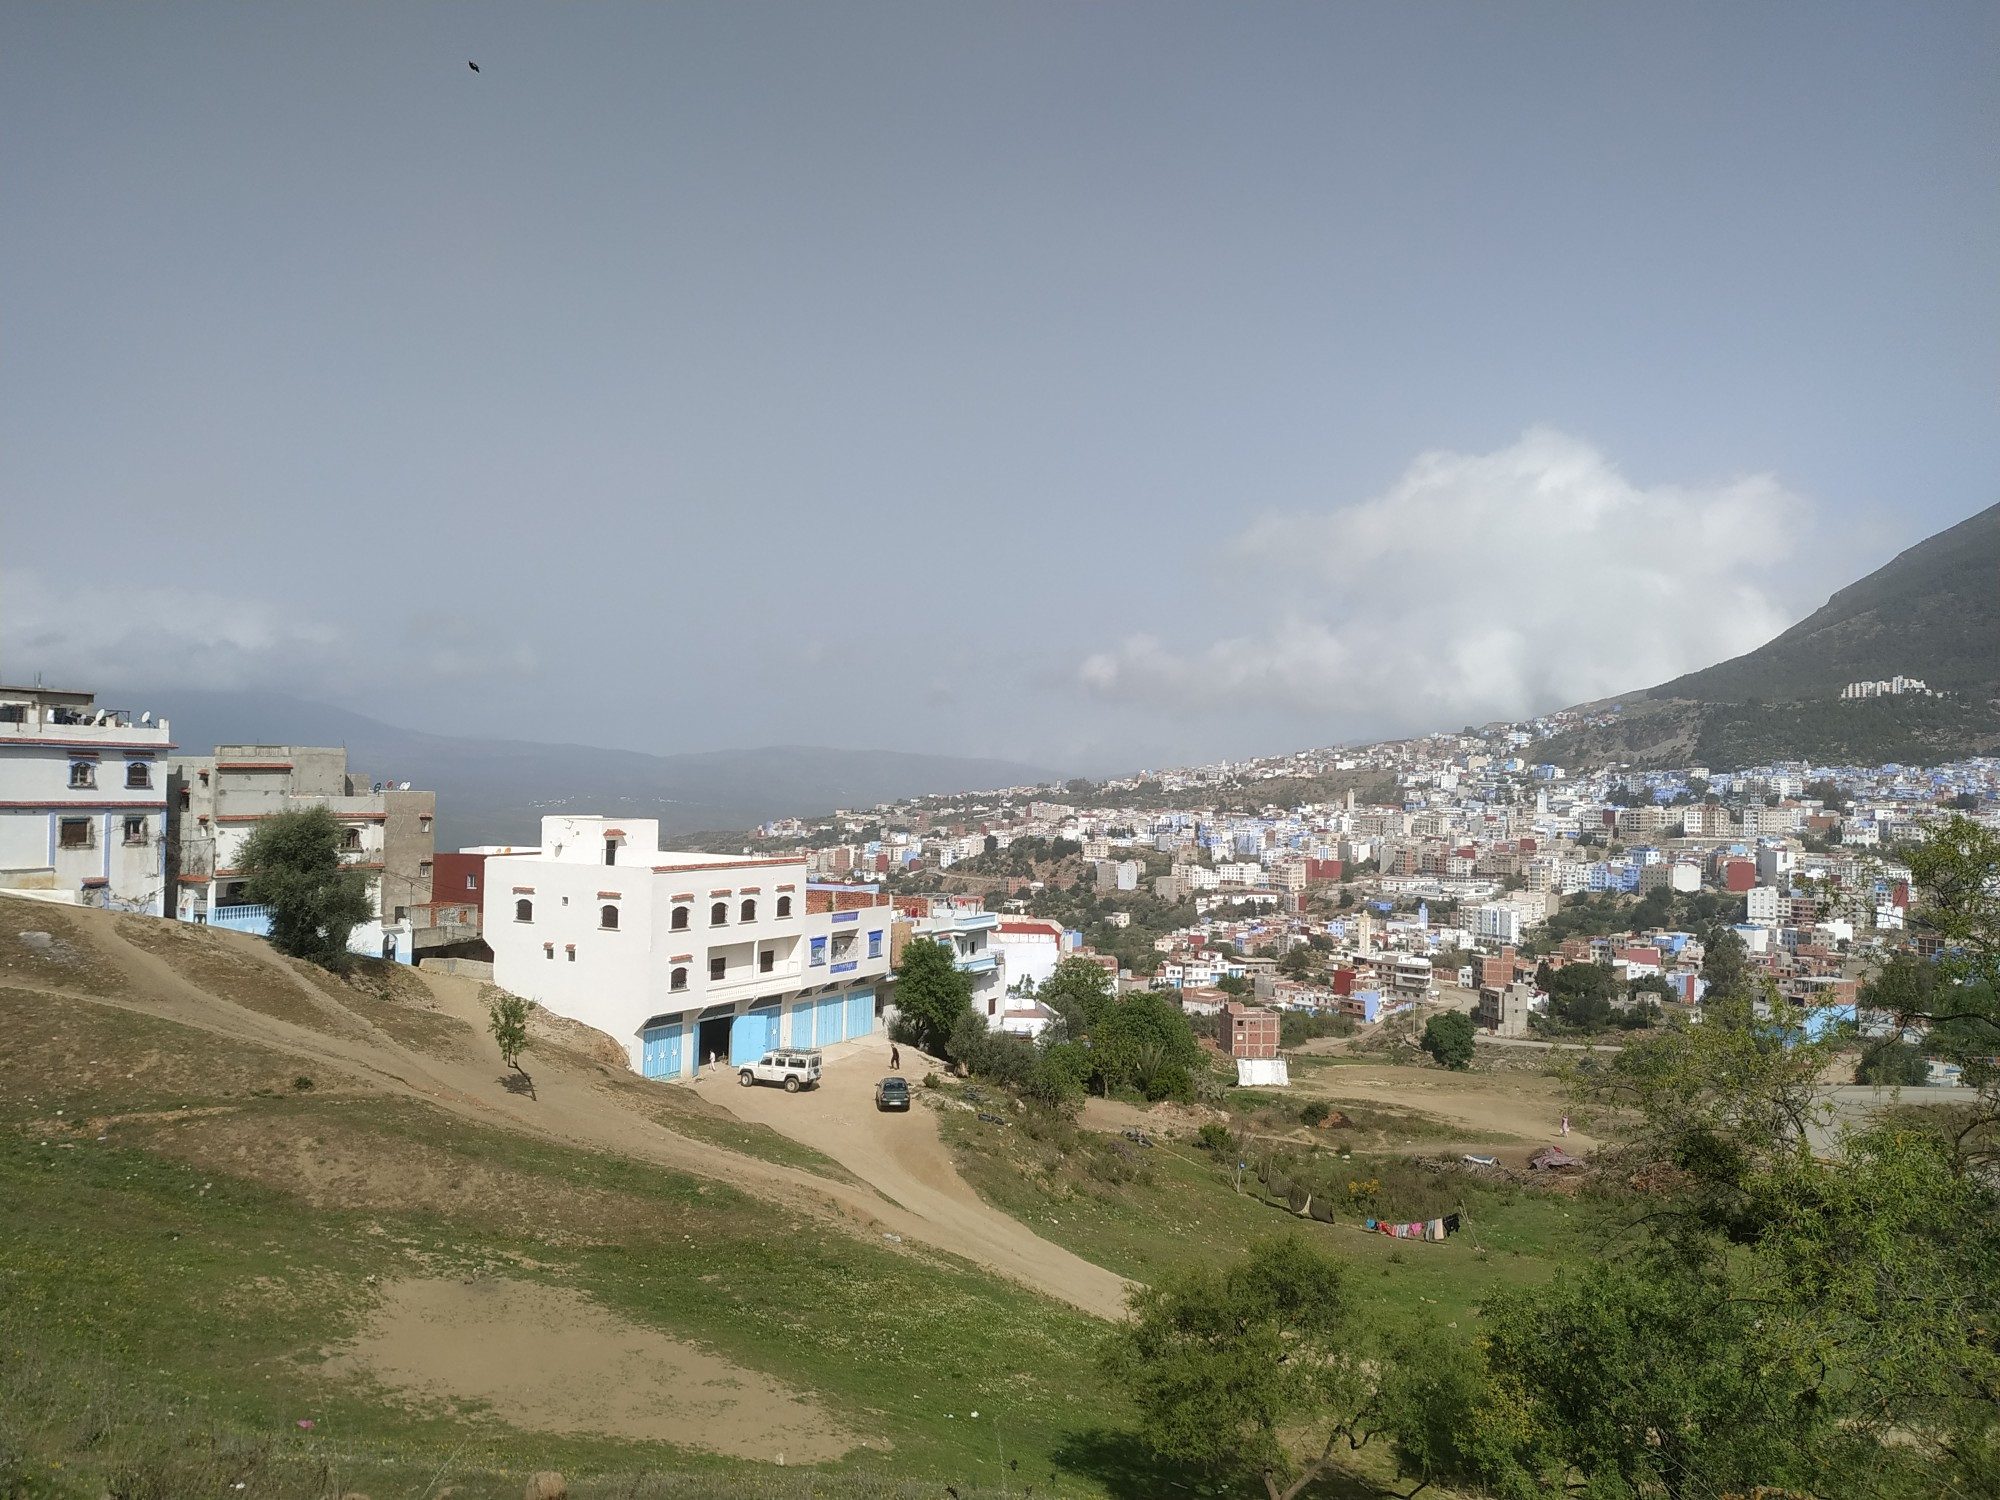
[[548, 950], [524, 910], [572, 952], [423, 822], [784, 906], [350, 838], [767, 961], [187, 795], [611, 851], [75, 833], [818, 951], [472, 882], [749, 912], [678, 980], [717, 967], [874, 945], [138, 774], [608, 918], [680, 919], [83, 773], [135, 830], [843, 946], [423, 869], [718, 914]]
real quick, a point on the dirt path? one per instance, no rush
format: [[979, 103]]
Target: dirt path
[[574, 1106], [903, 1157]]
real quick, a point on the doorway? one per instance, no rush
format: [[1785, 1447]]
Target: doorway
[[713, 1041]]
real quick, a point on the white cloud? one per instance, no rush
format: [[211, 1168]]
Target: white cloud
[[1484, 586], [105, 635]]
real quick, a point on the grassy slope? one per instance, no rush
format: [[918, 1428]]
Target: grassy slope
[[1144, 1212], [167, 1292]]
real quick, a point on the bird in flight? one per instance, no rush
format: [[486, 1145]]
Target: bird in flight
[[472, 65]]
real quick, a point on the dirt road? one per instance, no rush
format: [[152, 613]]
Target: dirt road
[[578, 1102], [1526, 1105], [903, 1157]]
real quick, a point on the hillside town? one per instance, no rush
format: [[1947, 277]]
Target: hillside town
[[1449, 869]]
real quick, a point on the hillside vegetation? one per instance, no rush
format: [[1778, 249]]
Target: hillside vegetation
[[1932, 613]]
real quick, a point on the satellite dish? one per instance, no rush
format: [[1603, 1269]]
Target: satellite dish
[[406, 786], [146, 717]]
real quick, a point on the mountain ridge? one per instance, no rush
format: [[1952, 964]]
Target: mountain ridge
[[495, 790]]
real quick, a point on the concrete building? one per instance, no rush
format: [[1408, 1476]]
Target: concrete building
[[1250, 1036], [214, 802], [1504, 1009], [82, 801], [963, 925], [686, 960]]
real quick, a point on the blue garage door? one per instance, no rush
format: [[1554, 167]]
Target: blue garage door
[[762, 1022], [830, 1025], [802, 1024], [753, 1035], [662, 1056], [860, 1013]]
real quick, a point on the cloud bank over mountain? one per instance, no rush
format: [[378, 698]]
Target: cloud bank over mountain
[[1491, 585]]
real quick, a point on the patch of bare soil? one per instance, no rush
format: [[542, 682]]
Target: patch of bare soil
[[207, 960], [63, 956], [330, 1162], [55, 1047], [548, 1360]]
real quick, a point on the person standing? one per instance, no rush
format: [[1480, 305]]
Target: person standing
[[895, 1059]]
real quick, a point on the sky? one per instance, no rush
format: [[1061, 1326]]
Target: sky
[[1097, 385]]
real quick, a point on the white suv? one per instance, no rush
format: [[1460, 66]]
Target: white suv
[[795, 1070]]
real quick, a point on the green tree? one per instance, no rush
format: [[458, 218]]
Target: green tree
[[1448, 1039], [1145, 1041], [1257, 1372], [1891, 1062], [291, 864], [931, 993], [1079, 992], [507, 1021]]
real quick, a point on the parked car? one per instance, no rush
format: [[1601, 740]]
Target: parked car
[[795, 1070], [892, 1093]]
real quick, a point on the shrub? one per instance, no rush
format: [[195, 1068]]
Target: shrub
[[1212, 1137], [1315, 1112]]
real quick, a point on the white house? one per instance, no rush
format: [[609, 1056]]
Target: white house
[[688, 960], [82, 801], [1031, 948]]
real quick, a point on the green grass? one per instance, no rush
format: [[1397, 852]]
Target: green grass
[[164, 1320], [1179, 1205]]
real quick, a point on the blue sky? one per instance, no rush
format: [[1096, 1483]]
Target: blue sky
[[1090, 384]]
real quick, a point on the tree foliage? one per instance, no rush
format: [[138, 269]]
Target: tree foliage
[[1258, 1370], [291, 864], [507, 1021], [931, 993], [1448, 1039]]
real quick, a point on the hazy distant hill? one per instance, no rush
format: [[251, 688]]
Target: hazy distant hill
[[495, 791], [1932, 613]]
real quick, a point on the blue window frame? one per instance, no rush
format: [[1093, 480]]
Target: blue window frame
[[818, 951], [874, 945]]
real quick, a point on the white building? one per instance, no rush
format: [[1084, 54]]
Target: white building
[[686, 960], [82, 801], [1760, 905], [965, 927], [1030, 948], [1497, 923]]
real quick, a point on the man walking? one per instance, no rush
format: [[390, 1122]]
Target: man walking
[[895, 1059]]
